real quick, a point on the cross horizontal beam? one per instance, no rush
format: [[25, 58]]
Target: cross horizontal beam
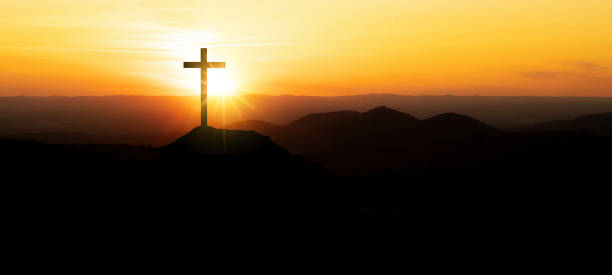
[[192, 64], [220, 65], [215, 65]]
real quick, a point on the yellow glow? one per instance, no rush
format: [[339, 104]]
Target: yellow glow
[[220, 83], [222, 107]]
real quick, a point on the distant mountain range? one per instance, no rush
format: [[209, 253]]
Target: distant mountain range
[[379, 119], [596, 123], [384, 139], [159, 120]]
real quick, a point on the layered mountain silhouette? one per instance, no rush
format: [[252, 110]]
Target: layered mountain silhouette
[[376, 122], [379, 161], [596, 123], [386, 140], [370, 140]]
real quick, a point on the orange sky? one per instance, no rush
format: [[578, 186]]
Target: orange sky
[[316, 47]]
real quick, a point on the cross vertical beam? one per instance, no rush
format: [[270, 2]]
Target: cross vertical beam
[[204, 87], [203, 65]]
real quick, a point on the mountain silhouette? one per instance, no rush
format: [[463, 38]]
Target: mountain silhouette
[[384, 113], [373, 140], [451, 125], [381, 161], [242, 170], [386, 140], [596, 123], [227, 172], [378, 119], [213, 142]]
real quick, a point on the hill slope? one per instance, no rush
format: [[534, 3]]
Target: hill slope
[[384, 140], [381, 138], [208, 141], [596, 123], [228, 172]]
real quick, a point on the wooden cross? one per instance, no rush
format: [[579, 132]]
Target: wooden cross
[[203, 65]]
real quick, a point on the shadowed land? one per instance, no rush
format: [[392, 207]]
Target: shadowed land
[[232, 172], [385, 140], [377, 162], [600, 124], [458, 178]]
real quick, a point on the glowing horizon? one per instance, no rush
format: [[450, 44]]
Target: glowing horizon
[[436, 47]]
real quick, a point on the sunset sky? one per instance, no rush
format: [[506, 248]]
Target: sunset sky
[[316, 47]]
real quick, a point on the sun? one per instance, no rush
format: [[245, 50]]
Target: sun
[[220, 83]]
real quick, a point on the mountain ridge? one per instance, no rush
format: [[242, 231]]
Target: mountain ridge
[[378, 117], [212, 141], [377, 134], [596, 123]]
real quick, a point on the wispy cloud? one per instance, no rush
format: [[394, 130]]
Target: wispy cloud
[[539, 75], [259, 45], [307, 56], [86, 49], [587, 66], [583, 70], [586, 77]]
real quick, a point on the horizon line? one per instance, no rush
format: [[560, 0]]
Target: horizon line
[[298, 95]]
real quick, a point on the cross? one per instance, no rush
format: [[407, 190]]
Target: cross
[[203, 65]]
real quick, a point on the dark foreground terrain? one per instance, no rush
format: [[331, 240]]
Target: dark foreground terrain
[[454, 179], [454, 163]]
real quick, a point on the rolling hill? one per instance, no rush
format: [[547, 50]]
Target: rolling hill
[[370, 140], [595, 123], [385, 140]]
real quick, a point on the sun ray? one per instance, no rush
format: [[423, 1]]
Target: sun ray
[[236, 109], [244, 102]]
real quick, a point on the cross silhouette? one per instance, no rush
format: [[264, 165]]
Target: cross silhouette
[[203, 65]]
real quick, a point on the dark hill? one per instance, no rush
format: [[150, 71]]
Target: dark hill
[[378, 119], [381, 118], [383, 113], [216, 142], [242, 170], [211, 173], [381, 138], [451, 125], [596, 123], [226, 172]]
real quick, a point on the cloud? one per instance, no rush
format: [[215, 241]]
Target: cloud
[[307, 56], [91, 49], [568, 76], [586, 78], [258, 45], [587, 66], [539, 75], [582, 70]]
